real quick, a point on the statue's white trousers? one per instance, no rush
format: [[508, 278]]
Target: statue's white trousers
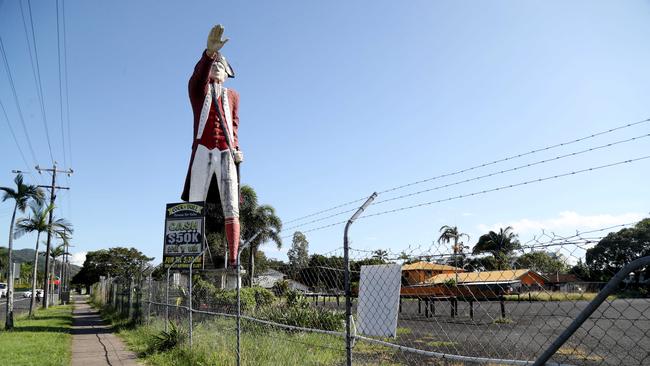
[[220, 163]]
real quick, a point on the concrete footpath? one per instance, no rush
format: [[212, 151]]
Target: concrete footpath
[[93, 341]]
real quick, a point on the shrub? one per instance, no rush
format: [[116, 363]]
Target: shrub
[[263, 297], [167, 340], [206, 293], [450, 282], [281, 288], [317, 318], [297, 299]]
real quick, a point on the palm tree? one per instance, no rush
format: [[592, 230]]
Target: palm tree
[[449, 234], [260, 224], [380, 255], [55, 253], [500, 245], [38, 222], [65, 242], [21, 196]]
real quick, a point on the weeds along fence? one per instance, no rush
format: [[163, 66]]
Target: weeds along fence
[[447, 307]]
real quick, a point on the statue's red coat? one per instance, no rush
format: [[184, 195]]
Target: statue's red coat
[[212, 135]]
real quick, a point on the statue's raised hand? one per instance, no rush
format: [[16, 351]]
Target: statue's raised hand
[[214, 39]]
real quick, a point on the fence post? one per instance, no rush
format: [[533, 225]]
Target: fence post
[[114, 292], [348, 291], [190, 293], [167, 293], [149, 299], [503, 306], [130, 299], [611, 286]]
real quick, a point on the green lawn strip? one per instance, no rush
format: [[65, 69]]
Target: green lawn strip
[[43, 340]]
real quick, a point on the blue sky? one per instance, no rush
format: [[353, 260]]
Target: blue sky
[[339, 99]]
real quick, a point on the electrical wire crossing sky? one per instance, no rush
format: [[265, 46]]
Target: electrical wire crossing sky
[[480, 116]]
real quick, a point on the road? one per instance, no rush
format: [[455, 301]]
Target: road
[[21, 305]]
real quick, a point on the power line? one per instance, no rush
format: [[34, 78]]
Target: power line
[[58, 48], [512, 157], [65, 69], [543, 161], [67, 103], [20, 111], [499, 188], [508, 186], [22, 155], [39, 83]]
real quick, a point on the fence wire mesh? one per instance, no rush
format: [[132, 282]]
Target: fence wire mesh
[[500, 302]]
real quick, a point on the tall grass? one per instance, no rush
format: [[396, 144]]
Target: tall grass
[[215, 344]]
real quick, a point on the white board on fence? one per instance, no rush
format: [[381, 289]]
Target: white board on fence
[[379, 288]]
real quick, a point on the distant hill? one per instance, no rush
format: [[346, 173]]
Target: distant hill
[[27, 256]]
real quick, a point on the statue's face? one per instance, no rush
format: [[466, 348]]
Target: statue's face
[[218, 72]]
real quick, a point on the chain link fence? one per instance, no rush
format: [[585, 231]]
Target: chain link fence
[[442, 304]]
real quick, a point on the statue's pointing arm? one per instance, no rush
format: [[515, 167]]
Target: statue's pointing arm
[[199, 80]]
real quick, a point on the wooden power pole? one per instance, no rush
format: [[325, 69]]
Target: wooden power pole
[[53, 189]]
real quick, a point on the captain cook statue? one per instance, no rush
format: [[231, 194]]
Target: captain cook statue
[[215, 149]]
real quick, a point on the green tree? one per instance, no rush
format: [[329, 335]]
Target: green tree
[[21, 196], [543, 262], [406, 258], [55, 253], [26, 272], [113, 262], [380, 255], [299, 252], [617, 249], [481, 264], [38, 222], [581, 270], [451, 234], [65, 238], [500, 245], [259, 223]]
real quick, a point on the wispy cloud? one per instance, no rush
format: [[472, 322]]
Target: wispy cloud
[[566, 220]]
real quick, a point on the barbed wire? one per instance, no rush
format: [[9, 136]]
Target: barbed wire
[[485, 191], [477, 178], [579, 239], [512, 157]]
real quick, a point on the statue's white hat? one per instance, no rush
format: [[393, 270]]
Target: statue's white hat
[[229, 71]]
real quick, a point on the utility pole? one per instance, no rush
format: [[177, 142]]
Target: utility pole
[[53, 189]]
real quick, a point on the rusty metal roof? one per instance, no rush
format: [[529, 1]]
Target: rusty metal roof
[[480, 277], [430, 267]]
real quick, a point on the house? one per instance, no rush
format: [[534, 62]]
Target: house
[[564, 282], [488, 284], [514, 278], [418, 272], [270, 277]]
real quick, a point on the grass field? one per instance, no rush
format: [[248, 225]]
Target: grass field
[[44, 340]]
